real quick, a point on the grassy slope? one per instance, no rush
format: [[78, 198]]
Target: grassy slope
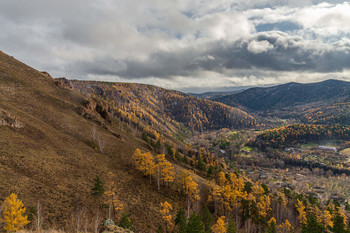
[[49, 159]]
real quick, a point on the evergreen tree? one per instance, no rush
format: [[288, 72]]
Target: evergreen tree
[[185, 159], [312, 226], [98, 188], [160, 229], [125, 222], [339, 225], [195, 224], [232, 226], [210, 172], [207, 220], [201, 165], [181, 221]]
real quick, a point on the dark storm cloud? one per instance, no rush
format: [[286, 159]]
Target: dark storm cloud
[[180, 43], [273, 50]]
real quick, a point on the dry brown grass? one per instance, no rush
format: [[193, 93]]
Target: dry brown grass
[[49, 159]]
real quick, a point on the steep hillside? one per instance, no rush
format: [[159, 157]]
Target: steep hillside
[[48, 152], [288, 95], [165, 110]]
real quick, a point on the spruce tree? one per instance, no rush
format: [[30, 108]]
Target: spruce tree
[[232, 226], [181, 221], [98, 188], [125, 222], [207, 220], [160, 229], [195, 224], [339, 225]]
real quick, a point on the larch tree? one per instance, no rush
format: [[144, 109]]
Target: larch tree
[[220, 226], [166, 215], [302, 213], [13, 214], [114, 204], [165, 170], [148, 165], [190, 189], [137, 158], [285, 227]]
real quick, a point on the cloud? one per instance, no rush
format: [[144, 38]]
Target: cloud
[[259, 46], [180, 43]]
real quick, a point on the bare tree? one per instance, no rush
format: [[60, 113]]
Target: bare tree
[[38, 216], [97, 221]]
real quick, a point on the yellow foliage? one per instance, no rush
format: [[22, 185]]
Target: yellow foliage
[[13, 214], [327, 218], [166, 215], [220, 226], [189, 186], [167, 173], [112, 200], [302, 214], [285, 227]]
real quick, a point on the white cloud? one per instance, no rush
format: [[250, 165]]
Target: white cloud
[[259, 46], [188, 41]]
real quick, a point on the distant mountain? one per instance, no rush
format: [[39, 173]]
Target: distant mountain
[[213, 95], [288, 95]]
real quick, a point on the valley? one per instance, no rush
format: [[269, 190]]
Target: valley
[[157, 160]]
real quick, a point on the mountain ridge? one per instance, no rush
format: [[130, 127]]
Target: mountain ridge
[[287, 95]]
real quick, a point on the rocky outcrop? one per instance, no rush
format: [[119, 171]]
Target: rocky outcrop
[[109, 226], [46, 74], [92, 110], [8, 119], [65, 83]]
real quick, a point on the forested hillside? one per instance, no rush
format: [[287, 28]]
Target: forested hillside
[[288, 95], [164, 109]]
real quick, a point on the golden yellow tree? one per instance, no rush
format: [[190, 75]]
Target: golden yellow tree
[[190, 189], [146, 164], [302, 213], [13, 214], [114, 204], [263, 201], [220, 226], [285, 227], [165, 170], [137, 157], [167, 217], [327, 218]]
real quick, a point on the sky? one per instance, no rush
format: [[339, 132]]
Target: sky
[[188, 45]]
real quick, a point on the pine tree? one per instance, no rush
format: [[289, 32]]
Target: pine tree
[[207, 219], [98, 188], [220, 226], [312, 226], [125, 222], [160, 229], [13, 214], [181, 221], [232, 226], [195, 224], [339, 225]]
